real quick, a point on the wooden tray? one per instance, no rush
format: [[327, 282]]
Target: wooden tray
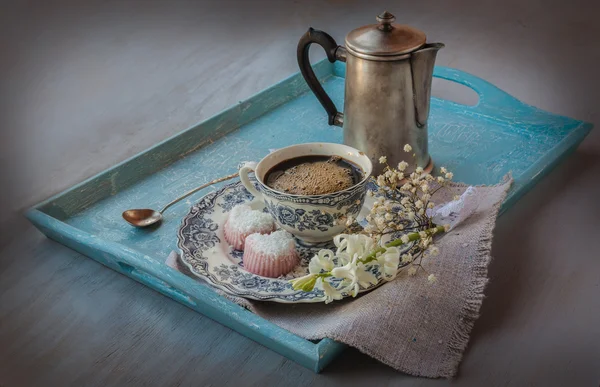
[[480, 144]]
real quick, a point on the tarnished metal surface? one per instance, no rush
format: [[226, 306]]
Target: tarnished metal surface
[[384, 38], [379, 117], [388, 89]]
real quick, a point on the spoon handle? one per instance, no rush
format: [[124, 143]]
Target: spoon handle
[[185, 195]]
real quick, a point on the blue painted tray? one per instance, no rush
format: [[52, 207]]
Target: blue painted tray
[[479, 143]]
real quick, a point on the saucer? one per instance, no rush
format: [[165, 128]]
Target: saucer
[[209, 257]]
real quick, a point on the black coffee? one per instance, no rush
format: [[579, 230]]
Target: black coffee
[[313, 175]]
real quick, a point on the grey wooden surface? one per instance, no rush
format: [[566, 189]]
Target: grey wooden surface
[[85, 85]]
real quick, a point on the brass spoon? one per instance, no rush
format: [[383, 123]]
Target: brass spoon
[[144, 217]]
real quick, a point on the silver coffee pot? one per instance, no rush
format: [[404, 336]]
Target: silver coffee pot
[[389, 68]]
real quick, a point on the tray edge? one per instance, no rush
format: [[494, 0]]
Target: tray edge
[[161, 278]]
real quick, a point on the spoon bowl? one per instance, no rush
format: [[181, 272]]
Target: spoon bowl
[[142, 217]]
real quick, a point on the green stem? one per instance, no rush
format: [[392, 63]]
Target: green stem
[[398, 242]]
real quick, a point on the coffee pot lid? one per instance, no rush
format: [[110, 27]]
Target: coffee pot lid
[[385, 38]]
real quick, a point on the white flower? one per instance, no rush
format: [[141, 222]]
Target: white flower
[[388, 261], [382, 160], [449, 175], [407, 258], [423, 234], [425, 242], [331, 293], [381, 180], [412, 271], [407, 148], [424, 187], [402, 165], [351, 245], [433, 250], [410, 215], [323, 261], [419, 170], [456, 197], [381, 200], [421, 211], [426, 197], [419, 204], [349, 221], [443, 170], [432, 278], [370, 193], [380, 222], [369, 218], [430, 205], [440, 179], [388, 216], [354, 275], [406, 187], [404, 201], [405, 238]]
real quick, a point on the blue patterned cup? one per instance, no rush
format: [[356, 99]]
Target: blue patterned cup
[[311, 218]]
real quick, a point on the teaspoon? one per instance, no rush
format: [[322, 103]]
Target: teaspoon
[[144, 217]]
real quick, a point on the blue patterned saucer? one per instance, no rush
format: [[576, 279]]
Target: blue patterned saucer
[[208, 256]]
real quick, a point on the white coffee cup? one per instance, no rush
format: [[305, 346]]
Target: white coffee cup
[[311, 218]]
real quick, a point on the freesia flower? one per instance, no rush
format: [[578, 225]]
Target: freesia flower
[[331, 293], [388, 261], [323, 261]]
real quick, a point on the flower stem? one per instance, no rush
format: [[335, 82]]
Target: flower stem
[[398, 242]]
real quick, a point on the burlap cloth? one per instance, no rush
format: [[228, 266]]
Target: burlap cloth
[[410, 324]]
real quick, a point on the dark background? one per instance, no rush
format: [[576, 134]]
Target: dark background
[[87, 84]]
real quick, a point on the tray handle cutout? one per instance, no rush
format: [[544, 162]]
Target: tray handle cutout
[[491, 98], [161, 286]]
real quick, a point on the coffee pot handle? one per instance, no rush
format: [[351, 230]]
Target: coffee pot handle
[[334, 52]]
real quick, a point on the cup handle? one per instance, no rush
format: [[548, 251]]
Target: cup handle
[[248, 184]]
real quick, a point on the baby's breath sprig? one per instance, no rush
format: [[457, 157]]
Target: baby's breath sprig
[[400, 211]]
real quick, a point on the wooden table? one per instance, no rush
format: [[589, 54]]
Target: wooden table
[[87, 86]]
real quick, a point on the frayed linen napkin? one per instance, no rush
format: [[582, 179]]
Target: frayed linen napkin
[[412, 325]]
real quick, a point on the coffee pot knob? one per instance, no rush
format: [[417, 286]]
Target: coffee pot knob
[[385, 21]]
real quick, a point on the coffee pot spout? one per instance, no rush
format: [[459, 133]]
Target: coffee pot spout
[[422, 62]]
